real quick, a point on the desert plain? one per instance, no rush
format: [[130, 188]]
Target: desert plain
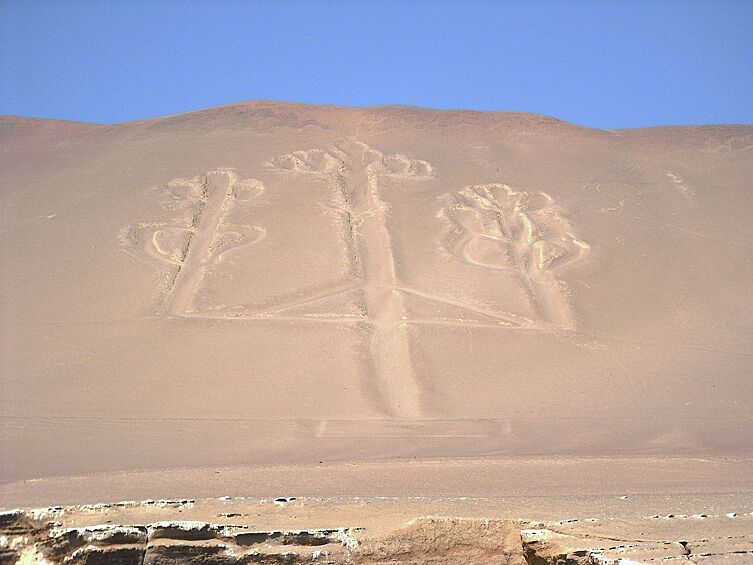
[[433, 335]]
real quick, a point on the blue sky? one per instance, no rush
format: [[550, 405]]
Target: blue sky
[[596, 63]]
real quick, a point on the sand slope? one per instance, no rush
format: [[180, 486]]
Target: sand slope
[[268, 283]]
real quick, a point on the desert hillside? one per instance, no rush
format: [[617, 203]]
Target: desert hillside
[[268, 284]]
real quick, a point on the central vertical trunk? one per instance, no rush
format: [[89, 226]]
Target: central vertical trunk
[[389, 349], [206, 222]]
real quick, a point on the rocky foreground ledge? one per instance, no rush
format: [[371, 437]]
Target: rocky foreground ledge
[[122, 533]]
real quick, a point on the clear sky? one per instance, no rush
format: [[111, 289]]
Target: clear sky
[[597, 63]]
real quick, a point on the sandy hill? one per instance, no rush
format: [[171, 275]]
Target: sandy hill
[[278, 284]]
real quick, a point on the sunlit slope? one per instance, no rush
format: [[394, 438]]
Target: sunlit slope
[[267, 282]]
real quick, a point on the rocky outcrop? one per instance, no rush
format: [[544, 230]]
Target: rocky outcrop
[[26, 537], [51, 536]]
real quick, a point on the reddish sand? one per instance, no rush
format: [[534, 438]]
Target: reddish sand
[[273, 290]]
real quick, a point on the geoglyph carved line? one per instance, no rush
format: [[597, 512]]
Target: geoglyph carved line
[[495, 318], [201, 237], [494, 226], [354, 170], [331, 166], [389, 339]]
